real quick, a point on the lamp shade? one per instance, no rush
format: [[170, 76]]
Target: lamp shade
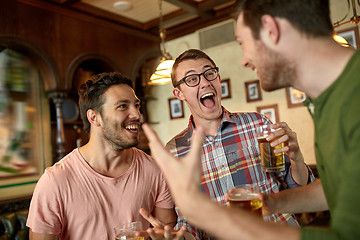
[[342, 41], [162, 75]]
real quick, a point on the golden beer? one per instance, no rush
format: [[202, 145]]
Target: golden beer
[[270, 161], [245, 196], [130, 237], [248, 201]]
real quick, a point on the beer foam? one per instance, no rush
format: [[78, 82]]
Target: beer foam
[[243, 197]]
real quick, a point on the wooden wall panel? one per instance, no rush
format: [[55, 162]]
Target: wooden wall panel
[[65, 34]]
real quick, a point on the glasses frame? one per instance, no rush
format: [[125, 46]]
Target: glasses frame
[[199, 76]]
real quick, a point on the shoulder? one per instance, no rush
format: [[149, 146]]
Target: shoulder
[[64, 168], [248, 118], [180, 139], [144, 159]]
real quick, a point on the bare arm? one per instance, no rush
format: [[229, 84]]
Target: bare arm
[[165, 215], [309, 198], [184, 178], [41, 236], [299, 171]]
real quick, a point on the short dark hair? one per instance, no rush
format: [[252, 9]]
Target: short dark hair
[[190, 54], [311, 17], [91, 93]]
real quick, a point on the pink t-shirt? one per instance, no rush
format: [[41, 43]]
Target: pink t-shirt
[[73, 200]]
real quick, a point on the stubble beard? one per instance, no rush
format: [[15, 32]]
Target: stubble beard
[[113, 136], [276, 72]]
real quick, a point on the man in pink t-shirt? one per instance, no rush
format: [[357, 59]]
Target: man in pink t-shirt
[[104, 183]]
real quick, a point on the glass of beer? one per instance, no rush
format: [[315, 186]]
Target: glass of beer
[[128, 231], [270, 161], [245, 196]]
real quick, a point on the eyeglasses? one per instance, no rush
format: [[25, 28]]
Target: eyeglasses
[[194, 79]]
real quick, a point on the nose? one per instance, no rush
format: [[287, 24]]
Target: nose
[[203, 81], [134, 113], [245, 62]]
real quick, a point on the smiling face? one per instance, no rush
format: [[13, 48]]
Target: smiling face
[[120, 117], [273, 70], [204, 100]]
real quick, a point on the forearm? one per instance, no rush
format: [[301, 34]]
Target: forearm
[[226, 223], [299, 172], [40, 236], [309, 198]]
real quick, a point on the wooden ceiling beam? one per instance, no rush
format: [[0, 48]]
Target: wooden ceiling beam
[[190, 8]]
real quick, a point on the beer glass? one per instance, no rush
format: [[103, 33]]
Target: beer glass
[[270, 161], [128, 231], [245, 196]]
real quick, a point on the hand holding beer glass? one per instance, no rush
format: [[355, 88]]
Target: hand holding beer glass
[[270, 161], [245, 196]]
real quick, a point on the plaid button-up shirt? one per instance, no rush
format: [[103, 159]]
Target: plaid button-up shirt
[[230, 158]]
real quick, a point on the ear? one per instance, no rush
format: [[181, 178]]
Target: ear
[[178, 94], [270, 31], [93, 117]]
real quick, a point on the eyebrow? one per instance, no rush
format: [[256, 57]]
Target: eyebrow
[[191, 71], [126, 101]]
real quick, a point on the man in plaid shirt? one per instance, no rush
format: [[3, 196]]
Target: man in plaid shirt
[[230, 154]]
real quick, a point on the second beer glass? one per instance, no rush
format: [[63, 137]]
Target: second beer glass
[[270, 161], [245, 196]]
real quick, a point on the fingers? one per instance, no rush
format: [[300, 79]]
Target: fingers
[[161, 155], [281, 125], [167, 234], [180, 233], [196, 143]]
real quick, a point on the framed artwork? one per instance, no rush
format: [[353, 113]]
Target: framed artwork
[[351, 35], [225, 89], [176, 108], [253, 92], [269, 111], [294, 97]]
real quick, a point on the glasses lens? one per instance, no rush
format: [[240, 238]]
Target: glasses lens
[[210, 74], [192, 80]]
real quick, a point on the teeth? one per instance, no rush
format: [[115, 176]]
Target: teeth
[[207, 95], [132, 127]]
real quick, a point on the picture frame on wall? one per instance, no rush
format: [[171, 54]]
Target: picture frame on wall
[[269, 111], [351, 35], [225, 89], [253, 91], [294, 97], [176, 108]]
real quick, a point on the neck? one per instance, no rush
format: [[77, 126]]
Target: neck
[[320, 64], [106, 161], [209, 125]]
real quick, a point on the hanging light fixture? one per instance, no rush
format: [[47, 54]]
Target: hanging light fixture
[[355, 19], [162, 74]]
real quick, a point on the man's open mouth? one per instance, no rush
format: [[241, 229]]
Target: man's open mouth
[[132, 127], [208, 100]]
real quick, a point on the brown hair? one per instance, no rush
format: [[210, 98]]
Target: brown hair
[[311, 17], [191, 54]]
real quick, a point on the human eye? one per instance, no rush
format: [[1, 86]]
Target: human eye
[[191, 79], [138, 105], [122, 106], [210, 73]]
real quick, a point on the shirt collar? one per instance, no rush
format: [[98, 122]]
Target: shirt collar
[[226, 117]]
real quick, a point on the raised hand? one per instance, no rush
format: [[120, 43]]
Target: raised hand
[[182, 175], [159, 230], [284, 134]]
